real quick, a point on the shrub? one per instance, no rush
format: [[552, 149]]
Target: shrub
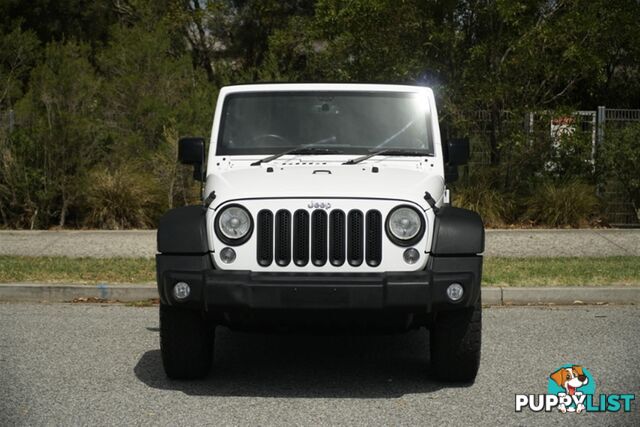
[[572, 203], [495, 207], [124, 198]]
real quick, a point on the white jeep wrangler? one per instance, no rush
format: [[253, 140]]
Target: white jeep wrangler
[[325, 205]]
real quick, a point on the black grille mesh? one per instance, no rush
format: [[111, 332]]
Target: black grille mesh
[[301, 238], [265, 237], [283, 238], [374, 238], [319, 238], [336, 237], [355, 238]]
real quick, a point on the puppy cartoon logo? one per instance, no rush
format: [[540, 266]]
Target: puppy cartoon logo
[[571, 389], [573, 380]]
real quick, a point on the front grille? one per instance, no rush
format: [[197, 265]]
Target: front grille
[[338, 237]]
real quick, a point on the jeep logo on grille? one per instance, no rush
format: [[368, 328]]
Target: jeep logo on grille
[[319, 205]]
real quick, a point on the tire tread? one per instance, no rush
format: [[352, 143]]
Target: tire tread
[[186, 343], [455, 344]]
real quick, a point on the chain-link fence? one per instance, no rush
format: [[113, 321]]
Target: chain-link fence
[[619, 209], [563, 142]]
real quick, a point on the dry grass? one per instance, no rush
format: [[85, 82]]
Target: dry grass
[[76, 270], [578, 271], [120, 199]]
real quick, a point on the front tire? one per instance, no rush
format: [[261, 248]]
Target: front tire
[[186, 343], [455, 340]]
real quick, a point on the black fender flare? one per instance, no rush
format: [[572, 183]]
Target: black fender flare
[[457, 231], [183, 231]]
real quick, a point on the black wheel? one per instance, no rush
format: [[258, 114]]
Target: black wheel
[[186, 343], [455, 344]]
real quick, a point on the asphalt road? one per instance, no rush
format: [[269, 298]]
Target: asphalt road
[[100, 365], [139, 243]]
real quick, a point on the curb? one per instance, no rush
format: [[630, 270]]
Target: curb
[[567, 295], [34, 292], [571, 295]]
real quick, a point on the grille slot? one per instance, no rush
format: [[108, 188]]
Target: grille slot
[[319, 238], [374, 238], [265, 238], [336, 237], [355, 237], [301, 238], [283, 238]]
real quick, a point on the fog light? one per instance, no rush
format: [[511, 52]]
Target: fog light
[[455, 292], [181, 291], [411, 256], [227, 255]]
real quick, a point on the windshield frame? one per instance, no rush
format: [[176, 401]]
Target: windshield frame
[[355, 150]]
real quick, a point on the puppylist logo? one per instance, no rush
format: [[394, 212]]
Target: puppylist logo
[[571, 389]]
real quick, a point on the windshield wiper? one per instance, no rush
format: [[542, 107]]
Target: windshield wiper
[[297, 150], [387, 151]]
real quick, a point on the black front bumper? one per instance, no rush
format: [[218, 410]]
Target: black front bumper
[[418, 292]]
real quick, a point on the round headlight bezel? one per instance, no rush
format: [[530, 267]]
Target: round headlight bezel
[[405, 242], [227, 240]]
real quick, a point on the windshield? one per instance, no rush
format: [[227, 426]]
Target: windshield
[[349, 122]]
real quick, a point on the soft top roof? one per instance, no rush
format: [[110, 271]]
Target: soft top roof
[[323, 87]]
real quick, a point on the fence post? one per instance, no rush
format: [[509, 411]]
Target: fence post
[[600, 119], [528, 122], [528, 126]]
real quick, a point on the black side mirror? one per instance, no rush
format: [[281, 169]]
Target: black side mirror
[[191, 152], [456, 151], [450, 173]]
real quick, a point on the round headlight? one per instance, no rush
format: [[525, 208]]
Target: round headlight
[[234, 225], [405, 225]]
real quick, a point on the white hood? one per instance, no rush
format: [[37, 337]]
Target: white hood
[[402, 180]]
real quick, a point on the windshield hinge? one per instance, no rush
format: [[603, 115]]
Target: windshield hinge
[[432, 202], [210, 198]]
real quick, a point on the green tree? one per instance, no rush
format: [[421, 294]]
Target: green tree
[[147, 85], [18, 52], [151, 90], [255, 21], [104, 88], [59, 122], [58, 20]]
